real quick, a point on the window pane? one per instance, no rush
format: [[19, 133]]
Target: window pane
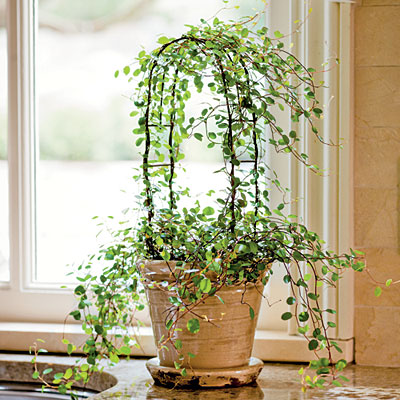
[[4, 241], [86, 149]]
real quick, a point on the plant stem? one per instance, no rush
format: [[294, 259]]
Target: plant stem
[[149, 196], [172, 201], [232, 150]]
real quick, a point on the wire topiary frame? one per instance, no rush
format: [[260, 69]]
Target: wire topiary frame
[[245, 84]]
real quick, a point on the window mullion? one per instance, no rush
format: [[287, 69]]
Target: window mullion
[[21, 141]]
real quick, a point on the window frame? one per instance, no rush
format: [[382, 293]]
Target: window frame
[[20, 291], [48, 304]]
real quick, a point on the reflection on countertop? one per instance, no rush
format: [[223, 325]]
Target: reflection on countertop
[[276, 382]]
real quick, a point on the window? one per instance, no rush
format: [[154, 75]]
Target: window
[[85, 152], [70, 154]]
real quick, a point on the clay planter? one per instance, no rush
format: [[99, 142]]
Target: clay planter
[[225, 344]]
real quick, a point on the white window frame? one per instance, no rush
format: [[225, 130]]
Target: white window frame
[[20, 299], [29, 311]]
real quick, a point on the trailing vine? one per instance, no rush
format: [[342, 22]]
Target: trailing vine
[[248, 78]]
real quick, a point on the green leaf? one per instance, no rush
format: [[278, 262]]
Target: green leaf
[[303, 329], [205, 285], [116, 73], [286, 316], [278, 35], [287, 279], [313, 296], [165, 255], [125, 350], [290, 301], [220, 299], [323, 371], [177, 365], [127, 70], [163, 40], [253, 247], [389, 282], [378, 291], [42, 351], [251, 311], [298, 256], [70, 348], [193, 325], [316, 332], [84, 367], [198, 136], [59, 375], [79, 290], [341, 364], [178, 344], [113, 358], [76, 314], [47, 371], [304, 316], [68, 373], [208, 211], [35, 375], [98, 329], [313, 344], [343, 378], [324, 361]]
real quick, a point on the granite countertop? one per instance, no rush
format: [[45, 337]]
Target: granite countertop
[[130, 380]]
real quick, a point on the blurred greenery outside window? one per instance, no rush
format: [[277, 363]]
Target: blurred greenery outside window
[[83, 110], [86, 144]]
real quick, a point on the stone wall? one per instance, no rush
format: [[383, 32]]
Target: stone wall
[[377, 178]]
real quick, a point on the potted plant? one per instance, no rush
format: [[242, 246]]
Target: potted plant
[[194, 259]]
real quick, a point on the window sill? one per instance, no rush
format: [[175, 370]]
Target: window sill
[[268, 345]]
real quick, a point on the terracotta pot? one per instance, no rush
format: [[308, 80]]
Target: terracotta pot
[[225, 343]]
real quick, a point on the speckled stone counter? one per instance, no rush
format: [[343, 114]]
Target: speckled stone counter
[[276, 382]]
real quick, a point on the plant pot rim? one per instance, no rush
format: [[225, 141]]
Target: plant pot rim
[[161, 270]]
